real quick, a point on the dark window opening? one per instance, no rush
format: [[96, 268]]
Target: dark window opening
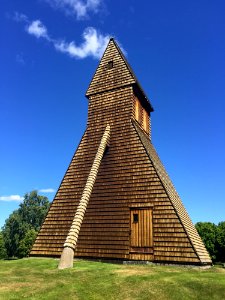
[[110, 65], [135, 218]]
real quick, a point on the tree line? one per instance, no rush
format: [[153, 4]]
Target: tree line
[[213, 237], [21, 228]]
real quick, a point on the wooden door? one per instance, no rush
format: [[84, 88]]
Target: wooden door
[[141, 229]]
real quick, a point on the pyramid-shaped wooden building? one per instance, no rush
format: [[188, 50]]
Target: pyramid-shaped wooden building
[[134, 211]]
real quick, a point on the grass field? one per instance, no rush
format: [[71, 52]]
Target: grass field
[[36, 278]]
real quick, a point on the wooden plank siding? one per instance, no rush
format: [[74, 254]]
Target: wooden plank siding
[[129, 179]]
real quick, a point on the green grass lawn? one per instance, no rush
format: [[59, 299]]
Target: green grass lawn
[[37, 278]]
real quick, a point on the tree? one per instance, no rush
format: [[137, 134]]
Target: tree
[[13, 231], [221, 241], [26, 243], [2, 247], [208, 233], [33, 209], [21, 227]]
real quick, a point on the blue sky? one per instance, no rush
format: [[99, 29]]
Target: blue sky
[[48, 55]]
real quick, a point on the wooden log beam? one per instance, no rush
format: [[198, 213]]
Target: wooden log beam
[[67, 256]]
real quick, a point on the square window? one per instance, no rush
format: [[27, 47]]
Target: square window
[[110, 65], [135, 218]]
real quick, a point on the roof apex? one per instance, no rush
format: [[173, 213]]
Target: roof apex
[[121, 74]]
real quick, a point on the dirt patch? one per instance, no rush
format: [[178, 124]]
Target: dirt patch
[[14, 286], [219, 270], [131, 271]]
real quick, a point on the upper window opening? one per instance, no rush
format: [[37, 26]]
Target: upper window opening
[[110, 64], [141, 115], [145, 121], [137, 110]]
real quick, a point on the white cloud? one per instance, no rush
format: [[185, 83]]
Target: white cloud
[[80, 8], [37, 29], [18, 17], [11, 198], [94, 45], [94, 42], [46, 190]]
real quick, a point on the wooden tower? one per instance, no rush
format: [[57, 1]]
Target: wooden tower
[[134, 211]]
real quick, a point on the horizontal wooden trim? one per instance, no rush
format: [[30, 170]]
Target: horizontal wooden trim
[[141, 250], [135, 256], [101, 251], [159, 258], [141, 205]]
